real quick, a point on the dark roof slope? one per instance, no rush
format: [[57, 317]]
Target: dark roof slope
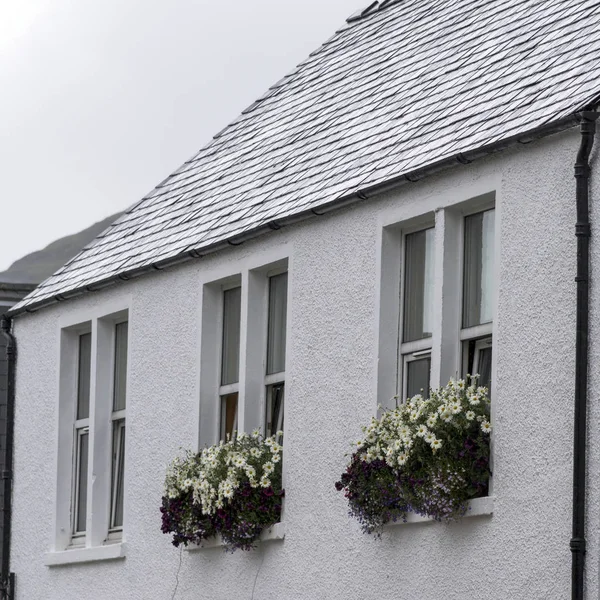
[[402, 85], [39, 265]]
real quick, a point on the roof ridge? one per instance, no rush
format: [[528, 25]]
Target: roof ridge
[[372, 8]]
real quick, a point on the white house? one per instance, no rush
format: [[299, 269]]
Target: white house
[[397, 210]]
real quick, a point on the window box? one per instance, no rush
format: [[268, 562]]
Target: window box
[[274, 532]]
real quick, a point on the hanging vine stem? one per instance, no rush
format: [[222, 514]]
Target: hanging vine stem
[[177, 574]]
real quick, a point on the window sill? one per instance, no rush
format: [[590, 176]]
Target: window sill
[[275, 532], [85, 555], [477, 507]]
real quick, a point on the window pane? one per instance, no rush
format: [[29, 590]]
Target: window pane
[[83, 377], [231, 336], [275, 394], [277, 323], [229, 406], [118, 473], [120, 383], [478, 360], [478, 283], [418, 285], [484, 367], [417, 377], [81, 492]]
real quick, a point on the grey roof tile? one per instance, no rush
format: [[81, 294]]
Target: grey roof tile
[[400, 86]]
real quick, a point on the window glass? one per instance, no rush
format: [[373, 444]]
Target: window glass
[[484, 368], [417, 377], [277, 323], [118, 472], [83, 379], [229, 406], [120, 383], [82, 468], [478, 283], [275, 396], [231, 336], [418, 285]]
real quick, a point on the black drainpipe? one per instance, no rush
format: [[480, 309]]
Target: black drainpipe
[[582, 232], [8, 358]]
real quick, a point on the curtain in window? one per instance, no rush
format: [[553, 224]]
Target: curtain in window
[[83, 378], [418, 285], [231, 336], [277, 323], [120, 384], [478, 273], [417, 380]]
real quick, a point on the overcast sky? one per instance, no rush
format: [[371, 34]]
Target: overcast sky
[[101, 100]]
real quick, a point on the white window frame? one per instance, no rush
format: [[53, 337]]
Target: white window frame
[[115, 532], [253, 270], [482, 333], [415, 349], [70, 545], [229, 388], [273, 378], [81, 428], [447, 212]]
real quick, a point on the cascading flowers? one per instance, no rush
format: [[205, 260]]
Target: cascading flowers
[[429, 456], [232, 489]]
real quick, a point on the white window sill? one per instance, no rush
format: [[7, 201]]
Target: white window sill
[[477, 507], [85, 555], [275, 532]]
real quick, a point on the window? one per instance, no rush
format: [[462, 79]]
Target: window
[[276, 338], [417, 312], [230, 362], [243, 327], [91, 437], [81, 439], [478, 294], [118, 427]]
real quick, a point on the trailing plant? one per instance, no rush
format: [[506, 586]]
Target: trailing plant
[[429, 456], [232, 489]]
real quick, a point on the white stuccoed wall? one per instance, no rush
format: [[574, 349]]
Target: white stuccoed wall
[[522, 551]]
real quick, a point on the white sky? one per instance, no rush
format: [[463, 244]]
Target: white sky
[[101, 100]]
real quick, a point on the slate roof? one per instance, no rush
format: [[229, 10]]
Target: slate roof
[[401, 86]]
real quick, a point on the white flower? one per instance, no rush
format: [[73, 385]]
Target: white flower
[[474, 400], [446, 416], [255, 452], [239, 461], [250, 471], [268, 468], [275, 458], [486, 427], [470, 415], [436, 444], [265, 481], [276, 448], [402, 458], [429, 438], [432, 420], [422, 431], [414, 415], [227, 490], [455, 407]]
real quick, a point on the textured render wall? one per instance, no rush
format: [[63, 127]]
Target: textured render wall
[[519, 552]]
